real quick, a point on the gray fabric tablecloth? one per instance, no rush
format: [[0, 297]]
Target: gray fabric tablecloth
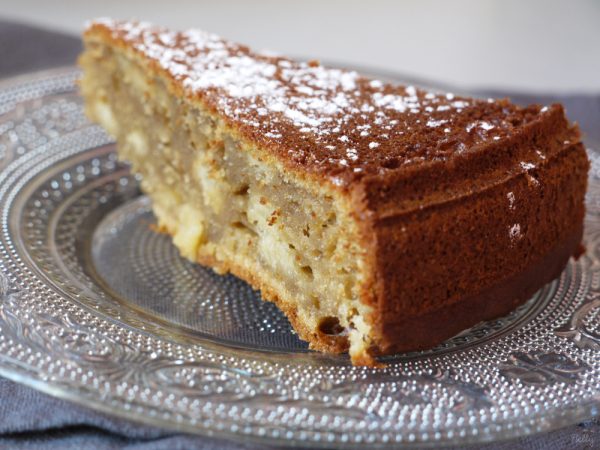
[[32, 420]]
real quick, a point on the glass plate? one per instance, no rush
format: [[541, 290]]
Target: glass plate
[[97, 308]]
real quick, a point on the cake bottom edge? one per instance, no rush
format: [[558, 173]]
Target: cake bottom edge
[[317, 341]]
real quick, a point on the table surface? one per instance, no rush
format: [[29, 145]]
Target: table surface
[[534, 46]]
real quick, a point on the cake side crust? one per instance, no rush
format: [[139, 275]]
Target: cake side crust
[[422, 332], [477, 250]]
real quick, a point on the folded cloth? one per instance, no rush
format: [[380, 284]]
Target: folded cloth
[[33, 420]]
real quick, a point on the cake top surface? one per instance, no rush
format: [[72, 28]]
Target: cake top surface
[[329, 120]]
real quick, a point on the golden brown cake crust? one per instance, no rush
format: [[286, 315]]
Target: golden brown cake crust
[[330, 122]]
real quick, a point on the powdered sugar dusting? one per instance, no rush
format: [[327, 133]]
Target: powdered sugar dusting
[[514, 232], [436, 123], [511, 200], [486, 126], [527, 166], [331, 117]]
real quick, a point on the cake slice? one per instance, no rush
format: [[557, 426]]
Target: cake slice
[[379, 218]]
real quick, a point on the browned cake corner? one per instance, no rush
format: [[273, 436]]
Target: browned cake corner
[[379, 218]]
